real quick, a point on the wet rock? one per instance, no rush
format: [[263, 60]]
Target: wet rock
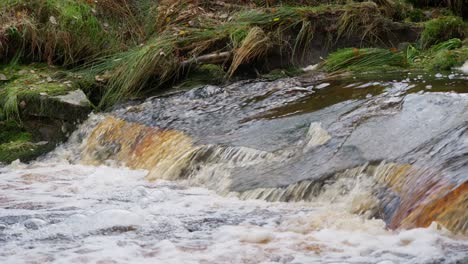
[[252, 139]]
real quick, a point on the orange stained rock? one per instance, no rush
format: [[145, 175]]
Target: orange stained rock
[[425, 196], [138, 147], [450, 210]]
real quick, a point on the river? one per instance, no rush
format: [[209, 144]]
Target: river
[[298, 170]]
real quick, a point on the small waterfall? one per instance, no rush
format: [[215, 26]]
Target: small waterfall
[[161, 152], [214, 176], [404, 195], [166, 154], [371, 155]]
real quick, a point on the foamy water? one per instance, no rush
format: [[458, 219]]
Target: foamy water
[[63, 213]]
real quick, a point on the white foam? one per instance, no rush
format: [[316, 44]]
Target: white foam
[[99, 214], [464, 68]]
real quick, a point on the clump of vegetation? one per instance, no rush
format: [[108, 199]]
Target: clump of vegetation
[[54, 31], [442, 29], [246, 36], [132, 47], [457, 6], [440, 57], [255, 44], [353, 59], [416, 15]]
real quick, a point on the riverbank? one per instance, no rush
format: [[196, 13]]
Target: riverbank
[[189, 43]]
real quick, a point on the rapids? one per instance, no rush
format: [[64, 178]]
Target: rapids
[[298, 170]]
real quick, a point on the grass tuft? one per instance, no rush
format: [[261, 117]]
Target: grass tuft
[[254, 45], [440, 57], [352, 59], [132, 70], [55, 31], [442, 29], [361, 19]]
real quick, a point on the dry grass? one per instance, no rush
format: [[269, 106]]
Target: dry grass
[[254, 45], [363, 19], [187, 30], [64, 32]]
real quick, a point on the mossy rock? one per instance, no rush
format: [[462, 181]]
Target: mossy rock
[[39, 107], [22, 150], [17, 143], [41, 91]]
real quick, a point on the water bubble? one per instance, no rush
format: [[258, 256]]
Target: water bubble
[[139, 191], [34, 223], [77, 218], [116, 217]]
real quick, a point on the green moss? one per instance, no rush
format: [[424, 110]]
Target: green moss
[[442, 29], [21, 150], [211, 72], [10, 131], [440, 57], [15, 143]]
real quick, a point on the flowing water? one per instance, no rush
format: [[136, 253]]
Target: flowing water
[[297, 170]]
